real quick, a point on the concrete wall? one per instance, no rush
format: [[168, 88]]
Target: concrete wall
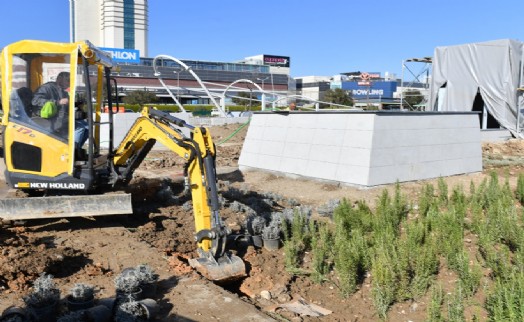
[[122, 122], [363, 148]]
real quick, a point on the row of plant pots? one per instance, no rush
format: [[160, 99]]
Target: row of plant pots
[[134, 289]]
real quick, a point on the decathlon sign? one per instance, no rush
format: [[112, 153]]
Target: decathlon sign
[[120, 55]]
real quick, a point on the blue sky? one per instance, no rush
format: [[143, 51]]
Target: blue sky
[[321, 37]]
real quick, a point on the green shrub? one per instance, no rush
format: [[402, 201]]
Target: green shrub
[[427, 199], [442, 192], [458, 200], [384, 277], [434, 313], [296, 241], [350, 261], [469, 275], [455, 304], [520, 188], [321, 251], [424, 268], [505, 301]]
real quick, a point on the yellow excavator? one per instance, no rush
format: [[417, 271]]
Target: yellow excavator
[[41, 159]]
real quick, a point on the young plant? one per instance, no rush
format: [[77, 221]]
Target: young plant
[[469, 275], [455, 306], [427, 199], [434, 307], [385, 277], [505, 302], [321, 243], [81, 292], [256, 225], [520, 189], [296, 240], [44, 293], [145, 274], [131, 311], [442, 191], [350, 260], [127, 282], [272, 231]]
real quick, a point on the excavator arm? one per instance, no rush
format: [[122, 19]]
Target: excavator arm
[[200, 179]]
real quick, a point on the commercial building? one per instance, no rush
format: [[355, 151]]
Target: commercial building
[[110, 23], [366, 88], [120, 27], [216, 76]]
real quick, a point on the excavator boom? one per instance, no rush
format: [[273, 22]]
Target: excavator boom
[[199, 152]]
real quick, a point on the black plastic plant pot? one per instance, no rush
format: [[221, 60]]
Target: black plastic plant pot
[[133, 295], [148, 290], [257, 241], [108, 302], [151, 307], [74, 304], [99, 313], [12, 312], [272, 244], [44, 313]]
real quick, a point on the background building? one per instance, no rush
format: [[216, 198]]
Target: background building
[[110, 23]]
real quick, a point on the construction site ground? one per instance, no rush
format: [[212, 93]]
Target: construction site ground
[[160, 233]]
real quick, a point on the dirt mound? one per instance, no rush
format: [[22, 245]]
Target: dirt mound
[[512, 147], [24, 257]]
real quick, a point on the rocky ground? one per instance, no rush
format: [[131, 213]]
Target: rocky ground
[[160, 234]]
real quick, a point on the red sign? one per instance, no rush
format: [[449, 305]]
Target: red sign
[[282, 61]]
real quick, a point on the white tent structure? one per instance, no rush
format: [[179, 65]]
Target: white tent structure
[[492, 69]]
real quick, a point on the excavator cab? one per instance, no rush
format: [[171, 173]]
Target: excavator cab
[[38, 140], [40, 155], [39, 147]]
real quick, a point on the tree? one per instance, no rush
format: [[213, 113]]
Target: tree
[[244, 98], [140, 97], [411, 98], [338, 96]]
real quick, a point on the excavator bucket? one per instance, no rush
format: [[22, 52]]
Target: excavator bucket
[[225, 269], [65, 206]]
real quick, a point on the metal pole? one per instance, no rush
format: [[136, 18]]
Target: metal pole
[[402, 87], [178, 85]]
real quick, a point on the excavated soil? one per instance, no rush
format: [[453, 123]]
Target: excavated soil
[[160, 234]]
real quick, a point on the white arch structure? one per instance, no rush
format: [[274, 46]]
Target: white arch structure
[[311, 100], [243, 81], [187, 68]]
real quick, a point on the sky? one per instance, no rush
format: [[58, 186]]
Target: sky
[[322, 38]]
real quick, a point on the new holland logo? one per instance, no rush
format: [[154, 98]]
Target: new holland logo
[[51, 185]]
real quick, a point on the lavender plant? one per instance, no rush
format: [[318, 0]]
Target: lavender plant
[[131, 311], [127, 282], [82, 292], [145, 274], [256, 225], [44, 292], [272, 231]]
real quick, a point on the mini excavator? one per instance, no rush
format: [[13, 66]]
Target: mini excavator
[[41, 160]]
